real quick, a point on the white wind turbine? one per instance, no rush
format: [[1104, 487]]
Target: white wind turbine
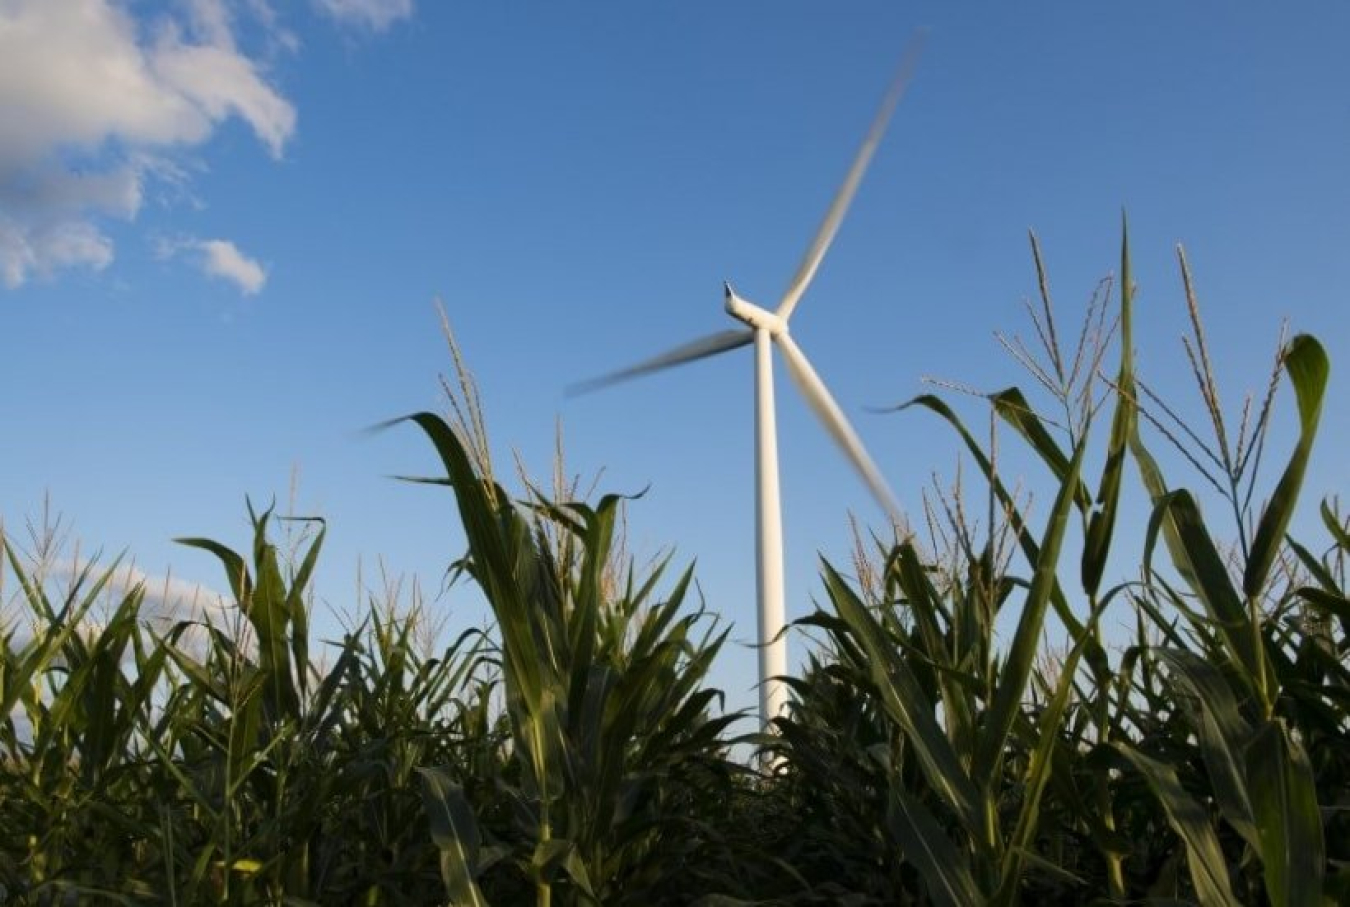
[[765, 328]]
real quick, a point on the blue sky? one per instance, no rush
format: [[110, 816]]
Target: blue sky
[[223, 226]]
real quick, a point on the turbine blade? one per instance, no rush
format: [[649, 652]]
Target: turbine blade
[[688, 352], [820, 244], [830, 415]]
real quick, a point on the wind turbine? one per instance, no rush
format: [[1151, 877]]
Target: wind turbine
[[765, 329]]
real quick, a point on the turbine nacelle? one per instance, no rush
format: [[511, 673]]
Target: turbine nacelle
[[757, 318]]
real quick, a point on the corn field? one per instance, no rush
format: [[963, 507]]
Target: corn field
[[576, 752]]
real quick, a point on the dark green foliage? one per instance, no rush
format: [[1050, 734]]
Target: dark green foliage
[[971, 727], [1196, 765]]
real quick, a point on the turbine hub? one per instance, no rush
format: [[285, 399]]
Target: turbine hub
[[753, 315]]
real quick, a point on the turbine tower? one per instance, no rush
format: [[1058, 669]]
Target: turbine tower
[[765, 329]]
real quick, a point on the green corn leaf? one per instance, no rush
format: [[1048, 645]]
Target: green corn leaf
[[259, 601], [1223, 733], [1331, 519], [1124, 422], [1012, 405], [186, 786], [1025, 539], [1016, 669], [1038, 774], [1067, 756], [1284, 801], [556, 853], [1316, 568], [267, 611], [546, 752], [945, 872], [236, 571], [925, 604], [21, 675], [295, 606], [455, 831], [1054, 870], [101, 694], [1149, 472], [1204, 858], [907, 705], [1306, 363], [497, 539], [1201, 563]]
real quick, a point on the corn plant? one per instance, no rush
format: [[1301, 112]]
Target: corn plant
[[612, 734], [220, 764], [965, 732], [999, 779], [71, 776]]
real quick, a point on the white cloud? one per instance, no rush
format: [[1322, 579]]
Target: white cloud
[[265, 14], [89, 97], [219, 82], [219, 258], [377, 15], [212, 22], [165, 603], [44, 218], [25, 249], [165, 599]]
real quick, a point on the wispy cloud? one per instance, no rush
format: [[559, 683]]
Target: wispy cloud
[[376, 15], [165, 599], [218, 258], [168, 598], [91, 98], [189, 611]]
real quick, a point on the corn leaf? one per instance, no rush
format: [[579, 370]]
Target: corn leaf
[[1025, 539], [907, 705], [1308, 368], [1201, 563], [946, 874], [1037, 775], [1012, 405], [1223, 733], [1204, 858], [1284, 801], [1017, 666], [1124, 421], [455, 831]]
